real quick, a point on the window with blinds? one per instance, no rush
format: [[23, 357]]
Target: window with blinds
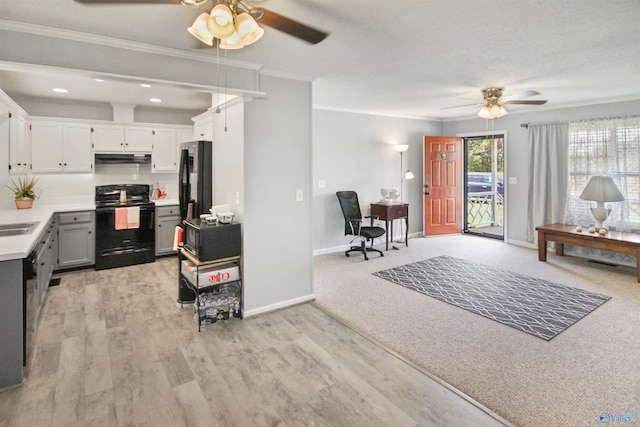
[[605, 147]]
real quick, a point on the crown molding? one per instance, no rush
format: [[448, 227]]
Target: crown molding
[[40, 30], [373, 113], [285, 75]]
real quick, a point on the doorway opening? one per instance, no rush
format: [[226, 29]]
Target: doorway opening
[[484, 186]]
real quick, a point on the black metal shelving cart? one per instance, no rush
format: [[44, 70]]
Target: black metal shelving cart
[[216, 284]]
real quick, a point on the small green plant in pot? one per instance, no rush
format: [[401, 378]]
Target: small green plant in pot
[[24, 192]]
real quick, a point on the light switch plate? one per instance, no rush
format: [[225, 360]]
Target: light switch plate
[[299, 195], [512, 180], [321, 183]]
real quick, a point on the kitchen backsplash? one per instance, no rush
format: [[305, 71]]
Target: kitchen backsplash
[[64, 188]]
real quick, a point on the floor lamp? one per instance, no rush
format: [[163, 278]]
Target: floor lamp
[[401, 148]]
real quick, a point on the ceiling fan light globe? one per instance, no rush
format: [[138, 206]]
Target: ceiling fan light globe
[[232, 42], [222, 13], [192, 2], [245, 24], [220, 22], [199, 29], [485, 113], [497, 111], [253, 37]]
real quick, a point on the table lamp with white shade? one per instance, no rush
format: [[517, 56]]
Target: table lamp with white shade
[[601, 189]]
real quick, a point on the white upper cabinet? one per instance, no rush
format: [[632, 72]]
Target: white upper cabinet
[[78, 155], [138, 139], [18, 143], [118, 139], [203, 128], [46, 147], [164, 157], [60, 147], [108, 138]]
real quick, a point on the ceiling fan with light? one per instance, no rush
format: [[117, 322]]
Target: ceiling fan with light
[[493, 103], [233, 24]]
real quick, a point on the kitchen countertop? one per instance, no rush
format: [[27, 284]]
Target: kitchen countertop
[[166, 202], [17, 247]]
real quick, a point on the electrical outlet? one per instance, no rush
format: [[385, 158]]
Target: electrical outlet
[[299, 195], [512, 180], [321, 183]]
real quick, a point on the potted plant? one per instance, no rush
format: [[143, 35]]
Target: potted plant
[[24, 192]]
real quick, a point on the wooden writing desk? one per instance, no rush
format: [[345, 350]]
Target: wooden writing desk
[[388, 213], [625, 243]]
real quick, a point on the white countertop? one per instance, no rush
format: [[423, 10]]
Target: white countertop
[[13, 247], [166, 202], [17, 247]]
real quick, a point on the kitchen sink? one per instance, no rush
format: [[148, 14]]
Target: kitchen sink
[[17, 229]]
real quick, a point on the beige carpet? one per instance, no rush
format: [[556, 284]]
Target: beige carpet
[[591, 368]]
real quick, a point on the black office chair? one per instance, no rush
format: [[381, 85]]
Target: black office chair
[[353, 224]]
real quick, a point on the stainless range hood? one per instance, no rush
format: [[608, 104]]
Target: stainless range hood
[[117, 158]]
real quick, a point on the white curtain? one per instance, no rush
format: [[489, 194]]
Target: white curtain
[[606, 146], [548, 175]]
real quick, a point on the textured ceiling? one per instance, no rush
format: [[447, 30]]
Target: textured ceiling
[[409, 58]]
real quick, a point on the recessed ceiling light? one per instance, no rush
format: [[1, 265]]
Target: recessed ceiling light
[[60, 90], [145, 85], [99, 80], [155, 99]]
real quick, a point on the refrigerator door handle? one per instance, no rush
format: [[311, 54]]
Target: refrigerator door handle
[[185, 186]]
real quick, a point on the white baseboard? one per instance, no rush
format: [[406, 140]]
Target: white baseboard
[[522, 244], [279, 305]]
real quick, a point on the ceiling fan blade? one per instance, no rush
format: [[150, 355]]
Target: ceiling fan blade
[[289, 26], [529, 102], [522, 95], [130, 1]]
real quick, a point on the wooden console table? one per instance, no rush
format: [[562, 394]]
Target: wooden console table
[[388, 213], [626, 243]]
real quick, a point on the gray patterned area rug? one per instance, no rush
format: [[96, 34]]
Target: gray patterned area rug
[[536, 306]]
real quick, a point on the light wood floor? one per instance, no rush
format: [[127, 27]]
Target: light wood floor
[[113, 348]]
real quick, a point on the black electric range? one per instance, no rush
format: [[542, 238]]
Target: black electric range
[[125, 225]]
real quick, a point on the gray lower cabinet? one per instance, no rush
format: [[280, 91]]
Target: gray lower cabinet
[[47, 250], [167, 217], [76, 239]]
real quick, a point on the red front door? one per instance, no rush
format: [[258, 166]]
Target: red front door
[[442, 185]]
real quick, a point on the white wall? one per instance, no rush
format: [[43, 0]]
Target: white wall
[[277, 229], [228, 159], [355, 152], [517, 161]]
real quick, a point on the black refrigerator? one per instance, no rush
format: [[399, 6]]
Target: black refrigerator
[[195, 191], [196, 174]]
